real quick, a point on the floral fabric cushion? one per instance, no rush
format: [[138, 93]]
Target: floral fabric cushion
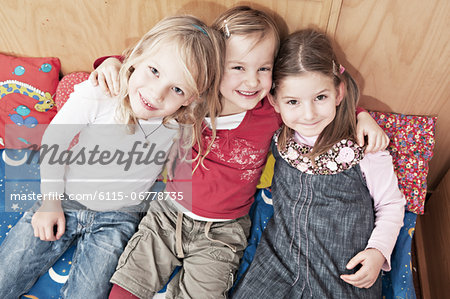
[[411, 147], [66, 87]]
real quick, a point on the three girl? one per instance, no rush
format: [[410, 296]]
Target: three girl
[[337, 211], [207, 231], [163, 80]]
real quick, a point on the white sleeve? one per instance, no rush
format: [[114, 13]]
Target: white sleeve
[[79, 110], [389, 203]]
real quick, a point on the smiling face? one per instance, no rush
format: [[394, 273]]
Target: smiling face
[[157, 87], [307, 103], [247, 77]]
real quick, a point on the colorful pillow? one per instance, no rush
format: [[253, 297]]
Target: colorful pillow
[[66, 87], [27, 86], [411, 147]]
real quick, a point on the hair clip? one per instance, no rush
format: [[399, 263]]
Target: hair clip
[[201, 29], [227, 32], [341, 69]]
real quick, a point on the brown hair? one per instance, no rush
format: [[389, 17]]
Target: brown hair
[[244, 20], [239, 20], [200, 50], [311, 51]]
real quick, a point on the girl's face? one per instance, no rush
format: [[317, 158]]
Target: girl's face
[[247, 77], [157, 87], [307, 103]]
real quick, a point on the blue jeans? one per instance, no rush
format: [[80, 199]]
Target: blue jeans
[[100, 238]]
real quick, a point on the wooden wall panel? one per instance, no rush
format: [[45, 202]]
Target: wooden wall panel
[[433, 243], [399, 51], [79, 31]]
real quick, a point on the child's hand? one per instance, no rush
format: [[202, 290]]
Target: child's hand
[[107, 75], [371, 260], [377, 138], [45, 219]]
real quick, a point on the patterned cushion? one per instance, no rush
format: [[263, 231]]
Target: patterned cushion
[[27, 86], [66, 86], [411, 147]]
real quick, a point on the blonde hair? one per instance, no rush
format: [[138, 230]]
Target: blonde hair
[[200, 51], [311, 51]]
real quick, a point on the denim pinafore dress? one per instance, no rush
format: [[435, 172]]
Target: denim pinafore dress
[[323, 216]]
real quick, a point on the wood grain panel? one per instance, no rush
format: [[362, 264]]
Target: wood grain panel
[[399, 51], [79, 31], [433, 243]]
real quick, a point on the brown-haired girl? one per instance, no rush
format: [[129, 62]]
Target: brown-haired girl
[[337, 211]]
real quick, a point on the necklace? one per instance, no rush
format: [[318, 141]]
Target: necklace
[[147, 135]]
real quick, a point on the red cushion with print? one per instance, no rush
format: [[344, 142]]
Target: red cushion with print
[[66, 87], [411, 147], [27, 86]]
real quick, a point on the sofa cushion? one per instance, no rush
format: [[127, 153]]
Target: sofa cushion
[[27, 86]]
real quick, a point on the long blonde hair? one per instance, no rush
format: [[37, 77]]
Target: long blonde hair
[[311, 51], [200, 50]]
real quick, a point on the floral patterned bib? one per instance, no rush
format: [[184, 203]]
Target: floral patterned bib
[[342, 156]]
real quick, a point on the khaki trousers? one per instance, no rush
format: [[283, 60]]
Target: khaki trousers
[[208, 253]]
